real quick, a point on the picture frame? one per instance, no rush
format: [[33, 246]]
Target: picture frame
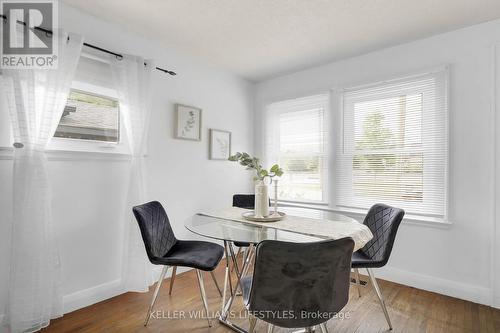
[[188, 122], [220, 144]]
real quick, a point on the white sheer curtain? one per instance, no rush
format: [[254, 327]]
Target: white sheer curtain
[[132, 76], [36, 100]]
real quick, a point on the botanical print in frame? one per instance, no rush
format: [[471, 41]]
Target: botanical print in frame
[[187, 122], [220, 144]]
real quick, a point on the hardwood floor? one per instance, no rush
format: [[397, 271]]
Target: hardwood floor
[[411, 310]]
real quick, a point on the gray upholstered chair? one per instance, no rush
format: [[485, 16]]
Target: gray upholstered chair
[[294, 282], [383, 222], [164, 249]]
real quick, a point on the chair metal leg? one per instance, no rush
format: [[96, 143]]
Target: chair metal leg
[[358, 282], [248, 260], [244, 257], [379, 295], [227, 280], [172, 279], [203, 295], [216, 283], [323, 328], [234, 260], [237, 254], [270, 328], [253, 323], [155, 294]]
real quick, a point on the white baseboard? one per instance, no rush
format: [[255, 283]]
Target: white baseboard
[[446, 287], [476, 294], [86, 297]]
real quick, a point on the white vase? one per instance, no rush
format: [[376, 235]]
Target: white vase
[[261, 199]]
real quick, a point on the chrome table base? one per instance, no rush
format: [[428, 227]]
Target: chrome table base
[[230, 292]]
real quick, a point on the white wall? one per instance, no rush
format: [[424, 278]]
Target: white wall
[[495, 234], [455, 260], [89, 190], [5, 226]]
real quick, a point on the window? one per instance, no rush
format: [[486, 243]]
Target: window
[[89, 117], [393, 147], [296, 139], [92, 111]]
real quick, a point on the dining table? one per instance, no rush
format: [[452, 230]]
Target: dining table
[[298, 225]]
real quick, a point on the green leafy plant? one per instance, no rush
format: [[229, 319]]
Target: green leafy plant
[[253, 163]]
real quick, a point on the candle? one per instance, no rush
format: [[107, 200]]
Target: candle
[[275, 197]]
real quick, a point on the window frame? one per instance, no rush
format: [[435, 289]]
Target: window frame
[[339, 121], [94, 146], [269, 121]]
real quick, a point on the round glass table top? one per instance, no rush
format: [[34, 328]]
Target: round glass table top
[[235, 231]]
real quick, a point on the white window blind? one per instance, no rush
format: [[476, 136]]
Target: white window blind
[[394, 146], [296, 138]]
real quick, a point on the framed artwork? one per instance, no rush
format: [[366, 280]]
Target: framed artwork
[[220, 144], [187, 122]]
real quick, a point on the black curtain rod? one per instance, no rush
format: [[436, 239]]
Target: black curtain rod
[[117, 55]]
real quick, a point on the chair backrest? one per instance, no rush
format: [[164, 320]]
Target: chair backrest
[[383, 221], [156, 231], [293, 279], [246, 201]]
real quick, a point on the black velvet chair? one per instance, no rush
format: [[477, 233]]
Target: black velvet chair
[[298, 285], [246, 201], [164, 249], [383, 222]]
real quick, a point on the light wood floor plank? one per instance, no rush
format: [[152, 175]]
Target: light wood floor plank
[[411, 310]]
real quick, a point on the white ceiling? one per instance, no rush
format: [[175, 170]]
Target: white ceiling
[[259, 39]]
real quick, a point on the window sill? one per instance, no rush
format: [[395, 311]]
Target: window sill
[[359, 214], [75, 155], [7, 153], [307, 203], [87, 146]]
